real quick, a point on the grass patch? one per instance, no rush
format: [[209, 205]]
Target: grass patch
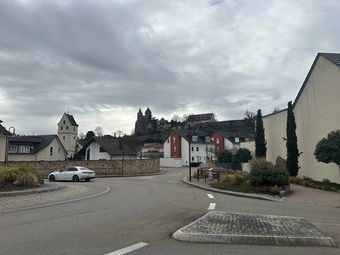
[[308, 182], [242, 183], [245, 186]]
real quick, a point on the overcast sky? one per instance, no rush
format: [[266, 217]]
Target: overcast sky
[[102, 60]]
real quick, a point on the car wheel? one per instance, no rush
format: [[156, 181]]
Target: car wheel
[[87, 179], [75, 178], [51, 178]]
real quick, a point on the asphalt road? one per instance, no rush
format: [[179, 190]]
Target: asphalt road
[[145, 209]]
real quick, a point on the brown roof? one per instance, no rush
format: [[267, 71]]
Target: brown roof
[[153, 145], [201, 117], [4, 131], [114, 146]]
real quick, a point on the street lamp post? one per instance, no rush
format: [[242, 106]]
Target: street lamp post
[[189, 153]]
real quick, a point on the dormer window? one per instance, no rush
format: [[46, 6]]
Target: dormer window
[[64, 122], [194, 138]]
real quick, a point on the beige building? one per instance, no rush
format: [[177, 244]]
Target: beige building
[[36, 148], [67, 133], [317, 112], [4, 134]]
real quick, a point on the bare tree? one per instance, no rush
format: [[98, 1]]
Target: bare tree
[[120, 133], [98, 131], [249, 115]]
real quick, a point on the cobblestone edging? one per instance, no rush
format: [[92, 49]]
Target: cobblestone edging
[[233, 193], [45, 188], [257, 229]]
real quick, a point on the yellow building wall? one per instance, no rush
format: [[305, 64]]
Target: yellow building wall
[[275, 129], [2, 148], [317, 112], [43, 155]]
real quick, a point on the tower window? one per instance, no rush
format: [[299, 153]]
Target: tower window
[[66, 127], [51, 151], [63, 137], [64, 122]]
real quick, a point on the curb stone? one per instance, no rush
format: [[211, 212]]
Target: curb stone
[[233, 193], [107, 189], [54, 187]]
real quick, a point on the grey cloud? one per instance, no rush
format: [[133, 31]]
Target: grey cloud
[[219, 56]]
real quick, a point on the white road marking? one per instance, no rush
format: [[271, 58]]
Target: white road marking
[[128, 249], [173, 181], [212, 206], [210, 196]]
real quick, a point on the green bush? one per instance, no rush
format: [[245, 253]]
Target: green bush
[[268, 174], [225, 156], [242, 155]]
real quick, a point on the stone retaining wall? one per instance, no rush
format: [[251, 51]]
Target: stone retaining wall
[[101, 167]]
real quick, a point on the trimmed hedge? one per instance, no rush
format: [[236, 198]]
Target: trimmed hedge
[[268, 174]]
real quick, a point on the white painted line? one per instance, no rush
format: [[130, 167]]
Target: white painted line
[[128, 249], [210, 196], [173, 181], [212, 206]]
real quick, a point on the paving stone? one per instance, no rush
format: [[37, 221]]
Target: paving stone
[[240, 228]]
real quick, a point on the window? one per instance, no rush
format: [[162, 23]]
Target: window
[[207, 139], [13, 149], [173, 139], [72, 169], [74, 138], [25, 149], [51, 151], [74, 128], [192, 159], [192, 148], [194, 138], [64, 122], [217, 140], [168, 140], [59, 150], [174, 148], [196, 148], [63, 137], [237, 139], [101, 149], [61, 128], [66, 127]]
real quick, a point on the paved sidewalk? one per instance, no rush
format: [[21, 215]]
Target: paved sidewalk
[[72, 191], [258, 229], [303, 194]]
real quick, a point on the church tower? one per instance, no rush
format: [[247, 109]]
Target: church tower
[[67, 133]]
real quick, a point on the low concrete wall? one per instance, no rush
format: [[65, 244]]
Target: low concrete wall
[[171, 162], [101, 167]]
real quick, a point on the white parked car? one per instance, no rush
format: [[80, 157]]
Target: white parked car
[[72, 173]]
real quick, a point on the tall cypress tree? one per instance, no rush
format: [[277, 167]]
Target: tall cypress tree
[[260, 143], [291, 143]]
